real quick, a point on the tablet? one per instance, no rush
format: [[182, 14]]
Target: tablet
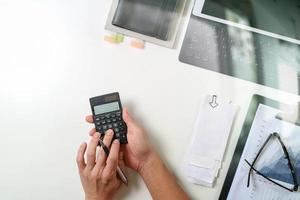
[[262, 120], [242, 54], [278, 19]]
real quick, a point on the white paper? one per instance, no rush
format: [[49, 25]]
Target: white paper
[[212, 128], [263, 125]]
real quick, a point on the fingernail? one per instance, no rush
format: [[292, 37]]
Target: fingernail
[[109, 132], [116, 141], [96, 135]]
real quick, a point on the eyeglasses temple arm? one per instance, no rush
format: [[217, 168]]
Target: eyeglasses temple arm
[[291, 190]]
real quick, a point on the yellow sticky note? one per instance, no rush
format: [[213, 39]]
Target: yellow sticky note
[[119, 38], [114, 38], [110, 39]]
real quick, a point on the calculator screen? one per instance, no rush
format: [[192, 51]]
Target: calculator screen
[[105, 108]]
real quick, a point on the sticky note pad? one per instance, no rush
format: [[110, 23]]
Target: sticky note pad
[[115, 38], [119, 38], [110, 39]]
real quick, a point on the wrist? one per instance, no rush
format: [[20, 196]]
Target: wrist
[[91, 198], [150, 165], [97, 198]]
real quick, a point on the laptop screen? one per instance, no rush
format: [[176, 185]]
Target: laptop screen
[[277, 18]]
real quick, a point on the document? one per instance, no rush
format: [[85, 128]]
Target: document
[[271, 162]]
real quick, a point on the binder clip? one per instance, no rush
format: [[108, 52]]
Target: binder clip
[[213, 102]]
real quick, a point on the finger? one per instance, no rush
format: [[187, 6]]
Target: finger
[[91, 152], [121, 157], [80, 157], [112, 162], [89, 119], [100, 163], [92, 132], [108, 137]]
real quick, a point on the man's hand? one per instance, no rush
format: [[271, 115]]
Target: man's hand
[[98, 175], [138, 150], [139, 155]]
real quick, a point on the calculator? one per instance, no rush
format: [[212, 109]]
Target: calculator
[[107, 114]]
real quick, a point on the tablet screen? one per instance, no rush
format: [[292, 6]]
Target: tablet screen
[[276, 18]]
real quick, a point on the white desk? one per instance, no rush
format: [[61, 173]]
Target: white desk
[[53, 58]]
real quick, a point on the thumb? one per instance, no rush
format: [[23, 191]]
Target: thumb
[[127, 118]]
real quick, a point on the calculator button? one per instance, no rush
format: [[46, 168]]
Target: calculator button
[[120, 123], [117, 130], [102, 117], [114, 119], [108, 121], [118, 114], [107, 116], [117, 135], [103, 122], [122, 128], [97, 119], [115, 125], [113, 116], [109, 126], [123, 139], [104, 127], [119, 118], [98, 123]]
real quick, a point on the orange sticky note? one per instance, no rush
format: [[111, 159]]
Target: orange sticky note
[[137, 43]]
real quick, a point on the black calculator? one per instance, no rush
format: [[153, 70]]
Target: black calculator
[[107, 114]]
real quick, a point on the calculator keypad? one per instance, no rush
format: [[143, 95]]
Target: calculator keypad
[[112, 121]]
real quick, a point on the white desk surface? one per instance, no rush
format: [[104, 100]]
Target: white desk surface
[[53, 58]]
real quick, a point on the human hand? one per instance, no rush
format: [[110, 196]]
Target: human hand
[[98, 175], [138, 150]]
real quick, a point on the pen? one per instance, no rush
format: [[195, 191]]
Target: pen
[[120, 173]]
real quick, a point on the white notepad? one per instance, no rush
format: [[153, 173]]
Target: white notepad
[[212, 128]]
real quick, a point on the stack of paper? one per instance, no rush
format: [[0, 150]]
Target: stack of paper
[[212, 128]]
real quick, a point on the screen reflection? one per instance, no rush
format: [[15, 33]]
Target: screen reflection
[[277, 18], [243, 54]]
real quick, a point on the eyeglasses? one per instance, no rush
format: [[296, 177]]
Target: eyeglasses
[[286, 156]]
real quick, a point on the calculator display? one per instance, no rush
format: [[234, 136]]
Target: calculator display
[[105, 108]]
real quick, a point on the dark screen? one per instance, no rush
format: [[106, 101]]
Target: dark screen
[[281, 17]]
